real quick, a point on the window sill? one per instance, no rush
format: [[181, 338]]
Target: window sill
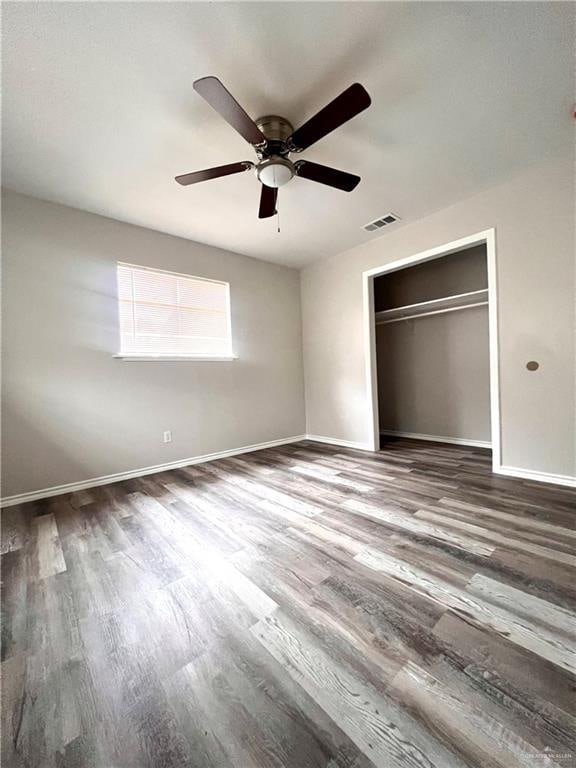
[[175, 358]]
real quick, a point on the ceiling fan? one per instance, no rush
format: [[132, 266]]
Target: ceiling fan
[[274, 139]]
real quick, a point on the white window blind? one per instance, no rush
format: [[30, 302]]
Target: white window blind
[[171, 315]]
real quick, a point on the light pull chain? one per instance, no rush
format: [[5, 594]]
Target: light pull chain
[[278, 214]]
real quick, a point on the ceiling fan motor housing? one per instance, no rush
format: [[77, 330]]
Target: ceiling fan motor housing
[[276, 129]]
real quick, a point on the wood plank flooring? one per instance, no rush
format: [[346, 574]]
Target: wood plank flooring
[[298, 607]]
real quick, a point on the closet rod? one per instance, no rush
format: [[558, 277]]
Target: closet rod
[[433, 312]]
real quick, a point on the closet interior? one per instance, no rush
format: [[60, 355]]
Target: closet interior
[[432, 348]]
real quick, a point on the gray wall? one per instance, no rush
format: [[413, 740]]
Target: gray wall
[[72, 412], [434, 375], [534, 220]]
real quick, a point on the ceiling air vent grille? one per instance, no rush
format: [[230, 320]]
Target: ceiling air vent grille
[[385, 221]]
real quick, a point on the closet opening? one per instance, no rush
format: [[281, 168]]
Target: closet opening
[[432, 347]]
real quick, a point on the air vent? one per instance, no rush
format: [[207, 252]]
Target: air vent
[[385, 221]]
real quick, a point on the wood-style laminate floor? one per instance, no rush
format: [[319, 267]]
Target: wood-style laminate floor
[[298, 607]]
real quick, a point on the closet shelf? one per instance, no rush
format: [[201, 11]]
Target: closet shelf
[[433, 307]]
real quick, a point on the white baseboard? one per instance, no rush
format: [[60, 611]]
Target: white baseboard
[[538, 477], [45, 493], [437, 438], [340, 443]]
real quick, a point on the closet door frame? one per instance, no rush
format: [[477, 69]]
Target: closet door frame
[[486, 237]]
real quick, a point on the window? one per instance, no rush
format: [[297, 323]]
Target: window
[[167, 315]]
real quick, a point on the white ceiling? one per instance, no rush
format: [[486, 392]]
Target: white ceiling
[[99, 111]]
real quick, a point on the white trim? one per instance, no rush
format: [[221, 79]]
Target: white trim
[[174, 358], [341, 443], [93, 482], [495, 425], [487, 237], [536, 476], [431, 253], [438, 438], [370, 361]]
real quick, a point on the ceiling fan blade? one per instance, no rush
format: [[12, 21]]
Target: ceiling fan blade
[[268, 198], [325, 175], [351, 102], [213, 173], [220, 99]]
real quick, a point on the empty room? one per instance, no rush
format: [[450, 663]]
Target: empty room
[[288, 384]]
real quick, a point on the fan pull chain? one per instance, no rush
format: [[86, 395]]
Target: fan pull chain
[[278, 214]]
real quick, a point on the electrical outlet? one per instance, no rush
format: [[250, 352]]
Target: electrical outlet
[[168, 436]]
